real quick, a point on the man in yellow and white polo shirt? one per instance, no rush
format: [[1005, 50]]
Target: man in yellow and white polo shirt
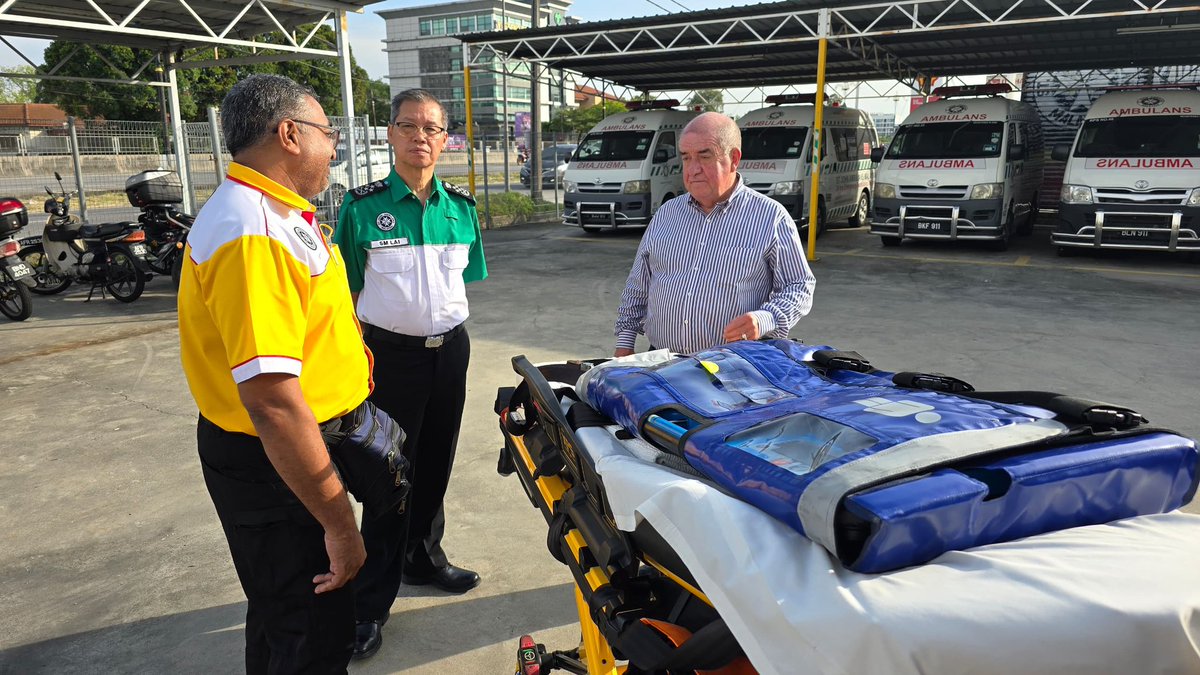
[[271, 347]]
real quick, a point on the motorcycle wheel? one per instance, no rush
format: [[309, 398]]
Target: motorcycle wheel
[[48, 281], [16, 302], [125, 282], [177, 269]]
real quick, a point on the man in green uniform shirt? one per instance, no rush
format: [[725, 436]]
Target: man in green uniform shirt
[[411, 244]]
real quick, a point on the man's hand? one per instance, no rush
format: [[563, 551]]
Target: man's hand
[[622, 351], [742, 328], [346, 557]]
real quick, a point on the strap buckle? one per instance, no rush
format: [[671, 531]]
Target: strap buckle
[[434, 341]]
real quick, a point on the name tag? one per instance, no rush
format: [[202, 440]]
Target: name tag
[[386, 243]]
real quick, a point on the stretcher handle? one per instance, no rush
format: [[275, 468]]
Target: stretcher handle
[[664, 432]]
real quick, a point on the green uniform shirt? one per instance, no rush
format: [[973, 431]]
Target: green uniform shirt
[[408, 263]]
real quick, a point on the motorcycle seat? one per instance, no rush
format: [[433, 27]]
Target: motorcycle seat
[[69, 232], [101, 230]]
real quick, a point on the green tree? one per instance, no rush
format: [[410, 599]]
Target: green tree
[[17, 89], [581, 120], [710, 100], [89, 98]]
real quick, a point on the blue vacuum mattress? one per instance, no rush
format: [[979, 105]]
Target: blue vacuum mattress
[[887, 475]]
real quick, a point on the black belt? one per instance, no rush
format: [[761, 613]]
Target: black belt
[[427, 342]]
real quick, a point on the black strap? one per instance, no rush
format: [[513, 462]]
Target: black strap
[[932, 382], [581, 415], [839, 360], [1069, 408]]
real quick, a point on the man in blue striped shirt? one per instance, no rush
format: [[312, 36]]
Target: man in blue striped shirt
[[719, 264]]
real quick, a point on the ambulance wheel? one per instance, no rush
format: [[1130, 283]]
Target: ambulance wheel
[[889, 242], [861, 214], [1026, 228], [822, 220]]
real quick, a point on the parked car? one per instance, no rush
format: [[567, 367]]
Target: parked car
[[554, 163], [339, 180]]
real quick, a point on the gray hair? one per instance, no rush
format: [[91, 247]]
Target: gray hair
[[254, 107], [722, 129], [417, 96]]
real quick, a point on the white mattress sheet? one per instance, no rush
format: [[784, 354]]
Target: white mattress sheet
[[1120, 598]]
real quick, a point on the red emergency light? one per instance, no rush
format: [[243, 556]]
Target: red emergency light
[[780, 99], [973, 90], [651, 105]]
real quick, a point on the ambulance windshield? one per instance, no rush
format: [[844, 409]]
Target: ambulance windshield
[[1145, 136], [773, 142], [614, 146], [947, 140]]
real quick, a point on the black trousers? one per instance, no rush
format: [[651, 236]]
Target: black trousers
[[424, 390], [277, 548]]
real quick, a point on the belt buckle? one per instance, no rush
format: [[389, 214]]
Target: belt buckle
[[434, 341]]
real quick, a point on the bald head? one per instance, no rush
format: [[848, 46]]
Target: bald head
[[722, 131]]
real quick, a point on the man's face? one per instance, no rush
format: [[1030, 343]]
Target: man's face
[[707, 172], [414, 147], [316, 151]]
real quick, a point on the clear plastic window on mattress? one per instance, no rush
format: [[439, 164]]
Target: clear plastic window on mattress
[[719, 382], [800, 442]]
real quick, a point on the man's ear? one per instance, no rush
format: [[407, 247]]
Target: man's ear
[[287, 134], [735, 156]]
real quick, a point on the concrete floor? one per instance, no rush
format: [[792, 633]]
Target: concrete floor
[[111, 558]]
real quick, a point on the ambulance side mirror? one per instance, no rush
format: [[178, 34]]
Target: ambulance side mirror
[[660, 156], [1016, 151], [1060, 153], [877, 154]]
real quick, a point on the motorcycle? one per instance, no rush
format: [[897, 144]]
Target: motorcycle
[[157, 192], [109, 256], [16, 302]]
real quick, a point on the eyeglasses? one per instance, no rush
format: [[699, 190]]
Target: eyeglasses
[[409, 130], [334, 134]]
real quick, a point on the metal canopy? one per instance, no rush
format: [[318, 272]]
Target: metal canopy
[[777, 43]]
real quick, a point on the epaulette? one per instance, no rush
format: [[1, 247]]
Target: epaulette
[[460, 191], [368, 189]]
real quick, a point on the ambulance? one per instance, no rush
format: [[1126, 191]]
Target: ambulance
[[626, 167], [1132, 179], [966, 167], [777, 158]]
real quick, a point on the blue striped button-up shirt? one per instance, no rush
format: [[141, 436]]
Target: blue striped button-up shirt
[[696, 272]]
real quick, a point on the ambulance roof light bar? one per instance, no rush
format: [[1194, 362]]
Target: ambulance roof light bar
[[973, 90], [780, 99], [651, 105], [1143, 87]]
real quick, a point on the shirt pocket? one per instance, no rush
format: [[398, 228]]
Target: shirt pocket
[[392, 260], [456, 257]]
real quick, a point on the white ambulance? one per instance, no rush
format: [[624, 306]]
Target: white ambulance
[[1132, 179], [777, 158], [961, 168], [626, 167]]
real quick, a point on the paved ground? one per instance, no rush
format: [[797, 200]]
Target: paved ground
[[111, 559]]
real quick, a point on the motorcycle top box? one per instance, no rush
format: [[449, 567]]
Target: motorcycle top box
[[154, 186], [13, 216]]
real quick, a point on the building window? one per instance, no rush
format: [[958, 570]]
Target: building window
[[519, 93], [452, 25], [439, 26], [467, 24], [456, 93], [426, 31], [483, 22]]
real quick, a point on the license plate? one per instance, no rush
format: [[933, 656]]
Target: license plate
[[597, 218], [20, 270], [1136, 234], [927, 226], [139, 249]]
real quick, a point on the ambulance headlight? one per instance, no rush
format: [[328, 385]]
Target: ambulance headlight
[[1194, 199], [1076, 194], [791, 187], [987, 191], [885, 191], [637, 187], [570, 186]]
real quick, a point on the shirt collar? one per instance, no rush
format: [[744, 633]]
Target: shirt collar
[[240, 173], [739, 188], [400, 189]]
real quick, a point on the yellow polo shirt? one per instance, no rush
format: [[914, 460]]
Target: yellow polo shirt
[[262, 291]]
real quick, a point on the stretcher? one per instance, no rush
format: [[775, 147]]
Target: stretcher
[[675, 574]]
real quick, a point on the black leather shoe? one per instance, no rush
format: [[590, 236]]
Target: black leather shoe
[[449, 578], [368, 638]]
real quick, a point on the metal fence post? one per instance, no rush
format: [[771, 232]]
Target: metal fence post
[[78, 166], [487, 204], [215, 137], [366, 127]]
